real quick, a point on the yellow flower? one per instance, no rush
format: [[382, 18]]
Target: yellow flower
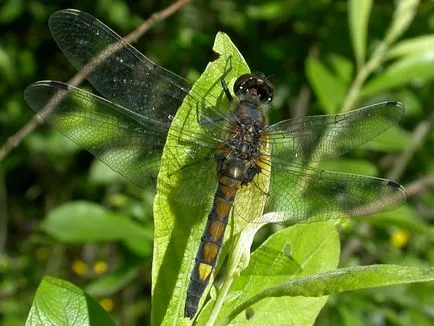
[[107, 304], [400, 238], [100, 267], [79, 267]]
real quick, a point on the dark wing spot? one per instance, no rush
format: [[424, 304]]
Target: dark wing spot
[[58, 85], [393, 184], [392, 104]]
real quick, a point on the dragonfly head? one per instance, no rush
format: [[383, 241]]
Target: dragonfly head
[[255, 88]]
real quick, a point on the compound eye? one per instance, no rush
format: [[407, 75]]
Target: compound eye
[[265, 94], [242, 84]]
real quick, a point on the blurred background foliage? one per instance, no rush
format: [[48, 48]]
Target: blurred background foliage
[[63, 214]]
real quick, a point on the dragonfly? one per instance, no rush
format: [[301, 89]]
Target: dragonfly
[[232, 147]]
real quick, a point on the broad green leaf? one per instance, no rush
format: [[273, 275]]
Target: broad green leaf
[[81, 222], [392, 140], [329, 89], [302, 249], [119, 13], [358, 18], [342, 67], [339, 280], [412, 46], [179, 227], [10, 11], [58, 302], [418, 67], [109, 284]]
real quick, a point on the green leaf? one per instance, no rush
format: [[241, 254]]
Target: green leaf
[[392, 140], [266, 10], [81, 222], [302, 249], [340, 280], [402, 18], [179, 227], [412, 46], [342, 67], [358, 18], [418, 67], [58, 302], [110, 284], [329, 89], [11, 10]]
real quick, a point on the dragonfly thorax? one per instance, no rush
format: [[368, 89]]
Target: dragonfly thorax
[[245, 142]]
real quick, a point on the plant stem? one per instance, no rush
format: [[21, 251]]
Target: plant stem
[[231, 273], [403, 16], [354, 91]]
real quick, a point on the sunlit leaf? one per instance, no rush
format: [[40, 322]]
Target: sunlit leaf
[[418, 67], [342, 67], [340, 280], [402, 18], [329, 89], [81, 222], [179, 227], [358, 18], [58, 302], [412, 46], [110, 284], [302, 249], [392, 140]]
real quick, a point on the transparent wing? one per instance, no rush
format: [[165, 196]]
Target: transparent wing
[[302, 194], [126, 77], [124, 140], [129, 143], [322, 137]]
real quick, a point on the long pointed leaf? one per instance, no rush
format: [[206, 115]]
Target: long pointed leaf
[[358, 16]]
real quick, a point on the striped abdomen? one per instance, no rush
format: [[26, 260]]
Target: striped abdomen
[[212, 238]]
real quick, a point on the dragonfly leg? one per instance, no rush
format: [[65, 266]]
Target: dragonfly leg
[[211, 115], [252, 171], [223, 82]]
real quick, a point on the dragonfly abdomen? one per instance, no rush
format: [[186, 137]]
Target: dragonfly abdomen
[[212, 239]]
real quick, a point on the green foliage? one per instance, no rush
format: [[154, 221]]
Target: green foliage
[[328, 87], [341, 280], [58, 302], [419, 66], [287, 254], [307, 48], [359, 12], [80, 222], [175, 246]]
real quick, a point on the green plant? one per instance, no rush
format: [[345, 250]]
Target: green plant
[[412, 61]]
